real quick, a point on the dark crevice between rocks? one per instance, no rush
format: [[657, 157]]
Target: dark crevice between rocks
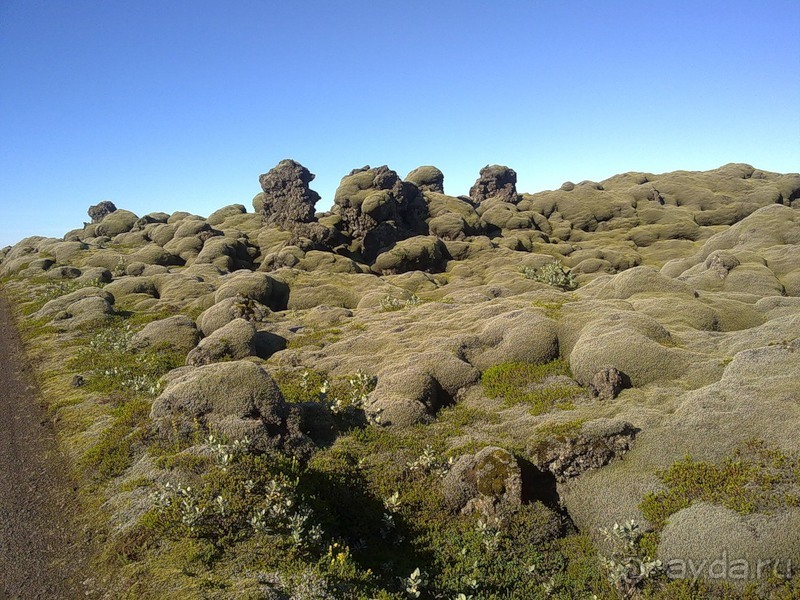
[[541, 486]]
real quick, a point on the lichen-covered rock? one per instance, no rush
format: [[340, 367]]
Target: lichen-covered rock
[[98, 211], [489, 482], [495, 181], [234, 341], [427, 179], [235, 399], [287, 199], [178, 332]]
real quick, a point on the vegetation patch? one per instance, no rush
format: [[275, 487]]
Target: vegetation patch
[[109, 367], [118, 445], [517, 382], [341, 394], [755, 478], [390, 303], [320, 338], [45, 291]]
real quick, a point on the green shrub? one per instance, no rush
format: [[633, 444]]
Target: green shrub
[[553, 274], [390, 303]]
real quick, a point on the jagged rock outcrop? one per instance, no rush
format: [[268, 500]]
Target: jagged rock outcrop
[[98, 211], [287, 198], [598, 443], [379, 209], [495, 181]]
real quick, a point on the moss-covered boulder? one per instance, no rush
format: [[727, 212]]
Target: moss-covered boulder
[[488, 482], [179, 333], [246, 284], [235, 399], [376, 207], [114, 223], [81, 308], [234, 341], [514, 336], [427, 179], [219, 216], [420, 253], [228, 309], [637, 346]]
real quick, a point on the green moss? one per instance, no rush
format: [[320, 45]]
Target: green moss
[[756, 477], [552, 308], [320, 337], [114, 451], [300, 385], [493, 471], [526, 382], [458, 416]]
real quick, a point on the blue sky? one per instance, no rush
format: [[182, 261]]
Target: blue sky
[[181, 105]]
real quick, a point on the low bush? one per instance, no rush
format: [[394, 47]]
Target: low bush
[[553, 274]]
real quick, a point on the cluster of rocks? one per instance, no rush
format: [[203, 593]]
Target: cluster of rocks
[[374, 209]]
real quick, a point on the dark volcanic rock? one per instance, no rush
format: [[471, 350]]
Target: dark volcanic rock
[[599, 442], [607, 383], [98, 211], [495, 181], [287, 199], [380, 209]]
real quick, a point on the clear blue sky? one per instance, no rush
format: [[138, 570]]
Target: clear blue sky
[[178, 105]]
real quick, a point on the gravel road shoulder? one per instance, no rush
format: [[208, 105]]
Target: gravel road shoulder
[[40, 556]]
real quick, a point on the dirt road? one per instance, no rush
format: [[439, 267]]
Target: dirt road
[[39, 557]]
